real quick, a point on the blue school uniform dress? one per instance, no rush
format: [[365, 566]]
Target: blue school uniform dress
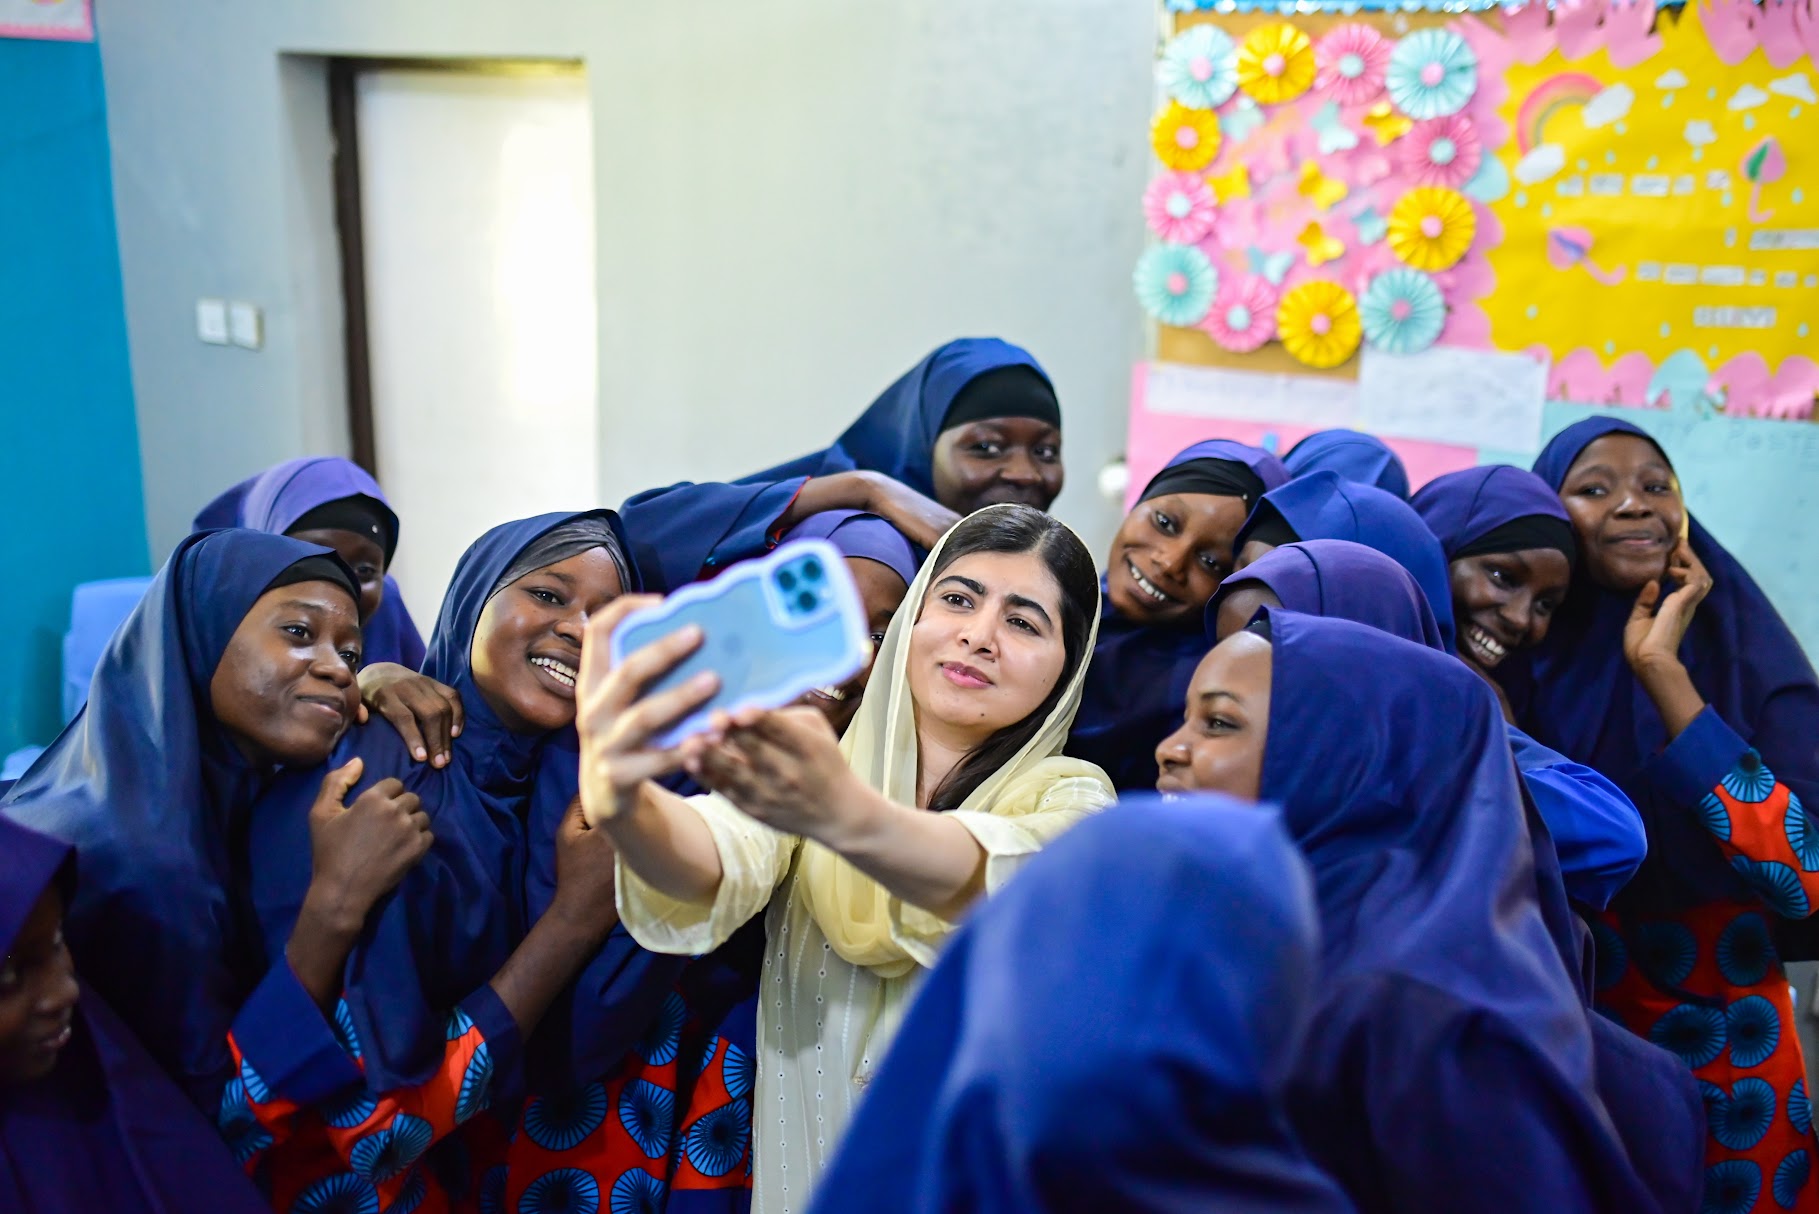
[[1356, 456], [1690, 952], [279, 498]]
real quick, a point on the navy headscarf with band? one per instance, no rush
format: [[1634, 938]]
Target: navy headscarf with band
[[1576, 693], [1137, 680], [1141, 1067], [1451, 1051], [155, 796], [433, 945], [106, 1129], [1326, 506], [1495, 508], [683, 531], [327, 491], [1355, 456]]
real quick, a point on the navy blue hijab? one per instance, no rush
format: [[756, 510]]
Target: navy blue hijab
[[1461, 508], [278, 499], [683, 531], [1576, 693], [1353, 455], [1451, 1052], [1137, 681], [1341, 580], [457, 916], [154, 795], [1141, 1067], [1325, 506], [105, 1130]]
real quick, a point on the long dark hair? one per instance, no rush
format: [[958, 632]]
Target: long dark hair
[[1017, 529]]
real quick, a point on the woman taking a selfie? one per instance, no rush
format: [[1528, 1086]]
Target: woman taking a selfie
[[967, 711]]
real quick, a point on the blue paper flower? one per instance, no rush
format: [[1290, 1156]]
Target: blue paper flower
[[1749, 782], [341, 1194], [637, 1192], [1778, 885], [1716, 815], [660, 1042], [385, 1153], [1744, 951], [1402, 311], [563, 1121], [1802, 834], [1199, 67], [718, 1139], [736, 1071], [647, 1112], [1731, 1187], [476, 1084], [1175, 284], [1791, 1175], [1755, 1030], [1694, 1032], [1666, 952], [1432, 73], [563, 1191], [1609, 956], [245, 1136], [1799, 1108], [1740, 1119]]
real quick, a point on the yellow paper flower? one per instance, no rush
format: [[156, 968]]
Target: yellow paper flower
[[1185, 140], [1432, 227], [1318, 323], [1275, 63]]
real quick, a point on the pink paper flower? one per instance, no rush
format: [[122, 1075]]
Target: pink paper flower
[[1441, 151], [1243, 315], [1352, 60], [1180, 208]]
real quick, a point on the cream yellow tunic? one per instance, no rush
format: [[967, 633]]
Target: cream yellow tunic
[[842, 955]]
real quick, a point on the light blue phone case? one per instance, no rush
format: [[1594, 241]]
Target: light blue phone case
[[773, 630]]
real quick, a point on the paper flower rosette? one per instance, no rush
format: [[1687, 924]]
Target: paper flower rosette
[[1318, 323], [1180, 208], [1432, 73], [1275, 63], [1441, 151], [1402, 311], [1185, 140], [1431, 228], [1351, 62], [1243, 315], [1175, 283], [1199, 67]]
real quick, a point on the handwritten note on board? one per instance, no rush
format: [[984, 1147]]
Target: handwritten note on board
[[1448, 394]]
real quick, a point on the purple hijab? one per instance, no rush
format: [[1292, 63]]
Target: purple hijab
[[863, 537], [1339, 580], [1137, 681], [278, 498], [105, 1130], [1462, 507], [1353, 455], [1576, 694]]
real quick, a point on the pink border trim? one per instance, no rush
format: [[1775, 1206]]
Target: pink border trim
[[46, 33]]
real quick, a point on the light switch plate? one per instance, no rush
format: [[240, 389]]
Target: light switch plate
[[211, 321], [245, 324]]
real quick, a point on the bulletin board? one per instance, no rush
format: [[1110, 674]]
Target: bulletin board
[[1627, 194]]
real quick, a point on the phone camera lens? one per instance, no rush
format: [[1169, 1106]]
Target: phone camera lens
[[805, 601], [787, 580], [811, 570]]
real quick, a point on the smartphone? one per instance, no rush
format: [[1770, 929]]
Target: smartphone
[[773, 630]]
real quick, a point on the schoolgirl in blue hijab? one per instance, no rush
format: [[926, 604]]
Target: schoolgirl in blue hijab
[[1354, 455], [447, 975], [974, 423], [1144, 1066], [1668, 670], [333, 502], [1174, 546], [1325, 506], [1645, 1089], [87, 1120], [238, 662], [1449, 1063]]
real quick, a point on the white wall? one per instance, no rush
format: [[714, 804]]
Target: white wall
[[796, 199]]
